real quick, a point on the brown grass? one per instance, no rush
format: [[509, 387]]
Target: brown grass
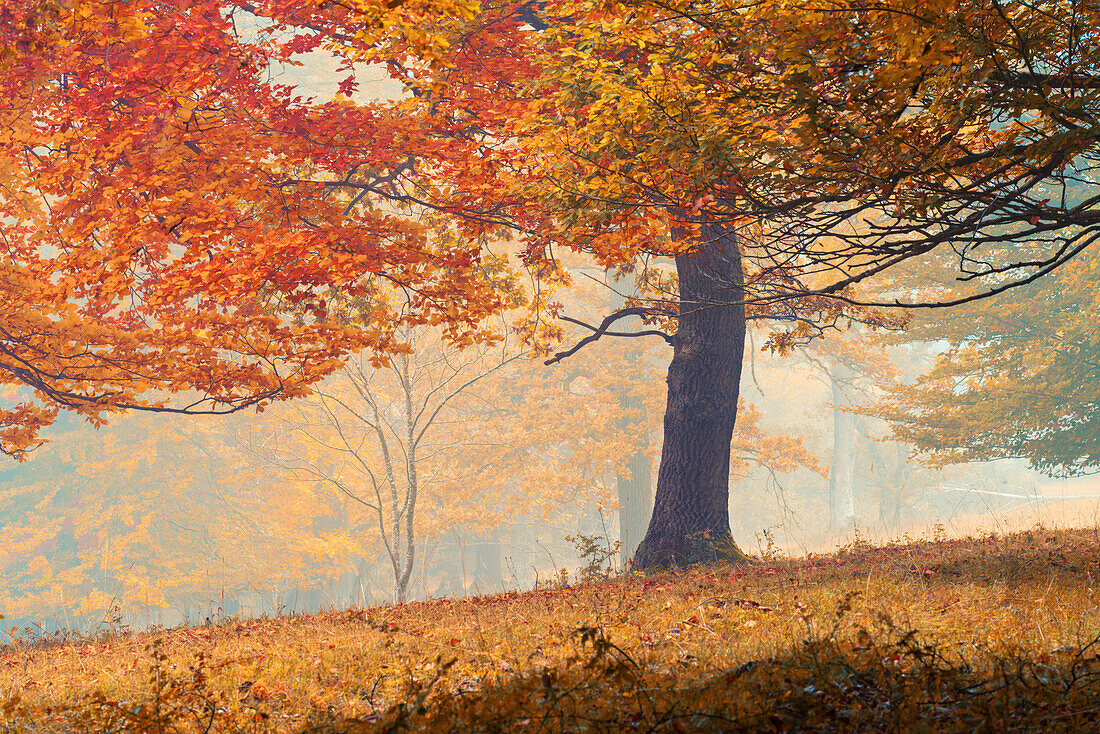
[[988, 634]]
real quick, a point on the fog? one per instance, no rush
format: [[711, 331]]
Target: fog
[[162, 521], [452, 473]]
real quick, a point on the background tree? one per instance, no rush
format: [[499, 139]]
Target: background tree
[[1013, 377], [854, 365], [154, 519], [394, 437]]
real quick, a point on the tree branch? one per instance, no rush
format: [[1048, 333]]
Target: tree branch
[[602, 330]]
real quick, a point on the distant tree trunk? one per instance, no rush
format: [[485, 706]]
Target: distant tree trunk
[[842, 511], [690, 522], [487, 562], [890, 494], [635, 494], [634, 485]]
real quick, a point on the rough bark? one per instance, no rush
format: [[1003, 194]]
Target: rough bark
[[690, 523]]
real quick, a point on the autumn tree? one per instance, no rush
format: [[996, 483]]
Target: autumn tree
[[774, 156], [157, 518], [1013, 377], [149, 229], [605, 402], [394, 437], [856, 152]]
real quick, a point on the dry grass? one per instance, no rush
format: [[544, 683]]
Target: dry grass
[[996, 633]]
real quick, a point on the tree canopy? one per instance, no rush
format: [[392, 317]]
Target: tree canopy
[[178, 220], [155, 226], [1016, 376], [862, 134]]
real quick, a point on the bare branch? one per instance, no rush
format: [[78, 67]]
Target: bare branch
[[603, 330]]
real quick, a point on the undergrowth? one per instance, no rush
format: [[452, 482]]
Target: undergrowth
[[989, 634]]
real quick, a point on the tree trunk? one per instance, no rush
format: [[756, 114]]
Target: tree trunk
[[487, 558], [634, 485], [690, 523], [842, 511], [894, 490], [635, 494]]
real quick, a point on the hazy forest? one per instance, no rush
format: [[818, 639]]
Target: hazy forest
[[724, 365]]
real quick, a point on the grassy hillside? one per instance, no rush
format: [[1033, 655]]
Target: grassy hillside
[[988, 634]]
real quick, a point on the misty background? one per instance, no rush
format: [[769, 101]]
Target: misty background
[[505, 473], [153, 520]]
